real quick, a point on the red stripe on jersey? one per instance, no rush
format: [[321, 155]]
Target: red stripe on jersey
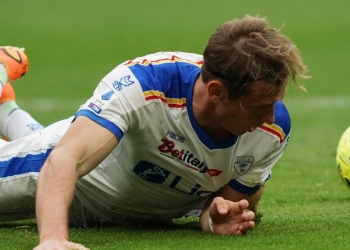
[[173, 59], [272, 131], [172, 105]]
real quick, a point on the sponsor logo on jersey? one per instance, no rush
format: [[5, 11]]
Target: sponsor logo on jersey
[[158, 175], [175, 136], [124, 81], [186, 158], [150, 172], [243, 164], [96, 106], [107, 95], [34, 126]]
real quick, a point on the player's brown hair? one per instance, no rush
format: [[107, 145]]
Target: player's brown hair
[[243, 51]]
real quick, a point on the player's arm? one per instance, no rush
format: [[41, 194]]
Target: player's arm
[[81, 149], [230, 212]]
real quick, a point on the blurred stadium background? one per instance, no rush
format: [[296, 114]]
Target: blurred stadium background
[[73, 44]]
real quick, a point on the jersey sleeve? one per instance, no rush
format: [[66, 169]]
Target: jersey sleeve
[[115, 102], [123, 99], [271, 141]]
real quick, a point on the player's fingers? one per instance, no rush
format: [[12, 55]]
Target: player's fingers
[[218, 206], [243, 205], [245, 227], [75, 246], [221, 206], [238, 207], [248, 215]]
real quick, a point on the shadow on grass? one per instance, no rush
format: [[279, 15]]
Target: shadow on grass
[[178, 224], [18, 224], [185, 223], [189, 223]]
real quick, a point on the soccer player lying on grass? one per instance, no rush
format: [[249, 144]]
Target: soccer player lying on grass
[[162, 135]]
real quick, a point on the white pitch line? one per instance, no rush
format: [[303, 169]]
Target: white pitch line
[[293, 103], [318, 102], [50, 104]]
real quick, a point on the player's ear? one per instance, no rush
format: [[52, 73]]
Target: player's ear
[[216, 91]]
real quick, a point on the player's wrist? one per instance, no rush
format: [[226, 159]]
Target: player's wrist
[[210, 223]]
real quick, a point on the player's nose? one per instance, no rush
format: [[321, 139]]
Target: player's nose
[[269, 115]]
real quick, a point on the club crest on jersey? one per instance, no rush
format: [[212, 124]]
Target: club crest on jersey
[[124, 81], [107, 95], [243, 164]]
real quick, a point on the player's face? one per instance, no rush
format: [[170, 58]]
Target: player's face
[[248, 112]]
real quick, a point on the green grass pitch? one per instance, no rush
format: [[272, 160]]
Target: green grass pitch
[[71, 45]]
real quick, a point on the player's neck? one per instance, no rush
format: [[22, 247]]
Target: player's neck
[[203, 110]]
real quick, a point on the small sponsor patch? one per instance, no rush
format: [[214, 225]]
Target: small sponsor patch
[[213, 172], [107, 95], [35, 126], [95, 108], [175, 136]]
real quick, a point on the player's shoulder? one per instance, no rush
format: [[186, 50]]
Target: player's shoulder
[[282, 117], [282, 124], [165, 57], [167, 72]]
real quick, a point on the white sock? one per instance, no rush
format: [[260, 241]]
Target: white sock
[[3, 77], [15, 122]]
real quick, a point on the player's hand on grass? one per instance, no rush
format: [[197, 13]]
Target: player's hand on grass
[[60, 245], [231, 217]]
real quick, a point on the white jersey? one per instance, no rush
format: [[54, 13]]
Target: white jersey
[[164, 165]]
